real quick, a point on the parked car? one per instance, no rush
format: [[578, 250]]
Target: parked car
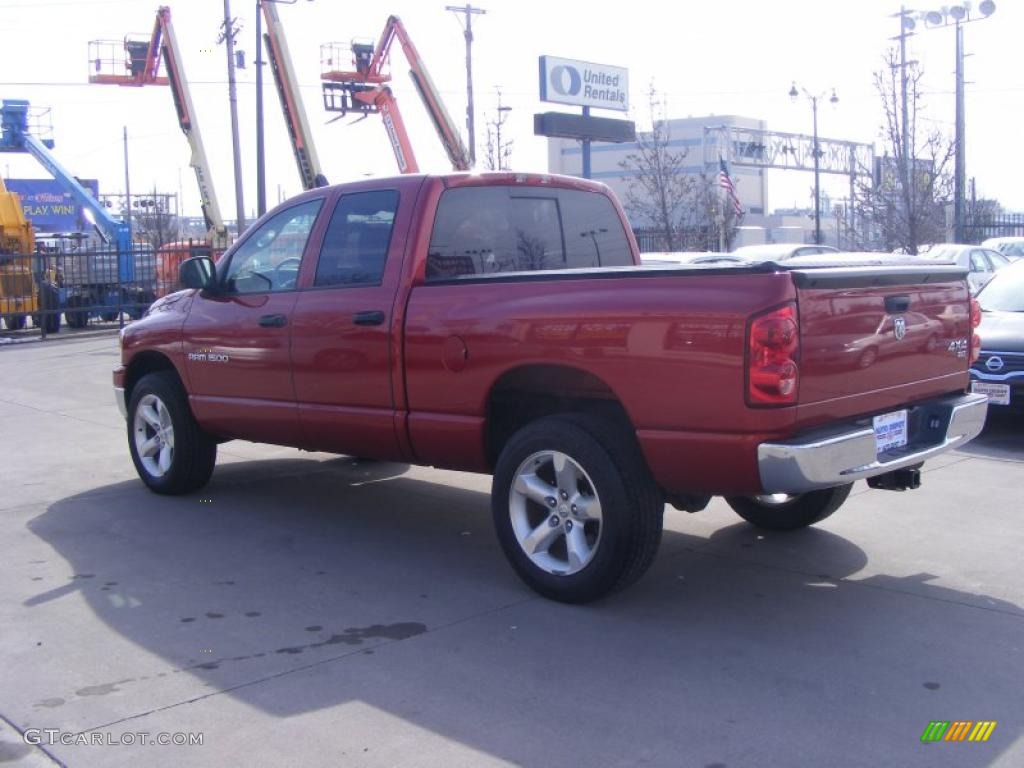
[[665, 258], [999, 370], [780, 251], [1011, 247], [495, 323], [981, 263]]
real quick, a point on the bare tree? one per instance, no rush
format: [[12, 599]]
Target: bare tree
[[685, 209], [905, 206], [155, 224], [497, 150]]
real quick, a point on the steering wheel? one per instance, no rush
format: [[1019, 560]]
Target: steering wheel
[[287, 264]]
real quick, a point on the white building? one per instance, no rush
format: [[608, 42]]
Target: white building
[[684, 136]]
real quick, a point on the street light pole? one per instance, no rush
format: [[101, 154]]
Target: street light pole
[[817, 175], [959, 163], [956, 16], [813, 98]]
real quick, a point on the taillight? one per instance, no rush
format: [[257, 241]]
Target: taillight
[[975, 338], [773, 344]]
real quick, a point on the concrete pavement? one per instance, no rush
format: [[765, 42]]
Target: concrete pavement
[[307, 609]]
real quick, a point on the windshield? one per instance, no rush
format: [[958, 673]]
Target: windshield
[[1005, 292]]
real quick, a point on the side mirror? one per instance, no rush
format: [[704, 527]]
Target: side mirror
[[198, 272]]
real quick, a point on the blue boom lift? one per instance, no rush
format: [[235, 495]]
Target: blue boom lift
[[90, 279]]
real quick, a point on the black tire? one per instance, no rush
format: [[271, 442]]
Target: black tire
[[194, 452], [868, 357], [49, 299], [142, 301], [798, 511], [79, 318], [631, 506], [15, 322], [108, 317]]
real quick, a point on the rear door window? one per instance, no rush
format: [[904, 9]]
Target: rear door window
[[482, 230], [997, 260]]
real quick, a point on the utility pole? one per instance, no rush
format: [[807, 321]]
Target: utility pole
[[261, 171], [228, 37], [131, 235], [469, 11]]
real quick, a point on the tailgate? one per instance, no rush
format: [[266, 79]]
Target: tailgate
[[873, 339]]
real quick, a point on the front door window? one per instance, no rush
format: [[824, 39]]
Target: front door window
[[268, 261]]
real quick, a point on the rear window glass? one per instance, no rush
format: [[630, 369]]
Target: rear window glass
[[481, 230]]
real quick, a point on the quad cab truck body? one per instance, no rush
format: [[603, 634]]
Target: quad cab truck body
[[497, 323]]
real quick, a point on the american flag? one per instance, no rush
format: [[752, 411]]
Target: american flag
[[726, 183]]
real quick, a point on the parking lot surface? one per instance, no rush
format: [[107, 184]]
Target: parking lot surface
[[307, 609]]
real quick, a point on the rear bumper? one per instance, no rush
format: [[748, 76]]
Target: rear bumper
[[834, 456]]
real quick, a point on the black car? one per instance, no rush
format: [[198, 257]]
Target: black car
[[999, 372]]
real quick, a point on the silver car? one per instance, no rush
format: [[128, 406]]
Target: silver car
[[981, 263], [780, 251], [1011, 247]]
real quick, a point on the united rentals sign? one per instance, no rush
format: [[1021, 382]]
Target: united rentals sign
[[583, 84]]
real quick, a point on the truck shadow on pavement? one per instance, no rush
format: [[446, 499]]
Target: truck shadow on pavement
[[299, 585], [1002, 438]]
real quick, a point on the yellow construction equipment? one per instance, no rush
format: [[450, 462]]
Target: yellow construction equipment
[[18, 293]]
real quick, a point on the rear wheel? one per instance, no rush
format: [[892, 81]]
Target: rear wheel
[[15, 322], [49, 299], [787, 512], [575, 509], [76, 318], [171, 453]]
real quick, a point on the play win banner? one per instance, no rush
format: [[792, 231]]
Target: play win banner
[[49, 207]]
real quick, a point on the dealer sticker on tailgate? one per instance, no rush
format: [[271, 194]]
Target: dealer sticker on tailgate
[[890, 430]]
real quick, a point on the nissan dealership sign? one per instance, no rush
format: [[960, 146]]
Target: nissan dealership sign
[[583, 84]]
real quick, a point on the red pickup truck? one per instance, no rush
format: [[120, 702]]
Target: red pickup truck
[[498, 323]]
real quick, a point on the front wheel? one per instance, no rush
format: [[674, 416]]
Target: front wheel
[[171, 453], [15, 322], [787, 512], [575, 509]]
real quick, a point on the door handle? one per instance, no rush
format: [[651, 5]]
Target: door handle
[[373, 317], [273, 321]]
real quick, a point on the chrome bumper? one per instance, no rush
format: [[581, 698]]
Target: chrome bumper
[[829, 457], [119, 399]]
